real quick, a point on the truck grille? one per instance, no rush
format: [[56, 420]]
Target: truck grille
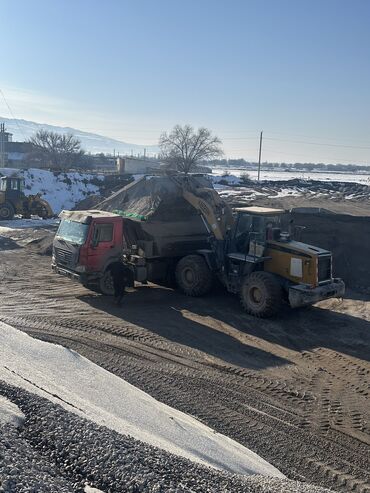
[[63, 256], [324, 268]]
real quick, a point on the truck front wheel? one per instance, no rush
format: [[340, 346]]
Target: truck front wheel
[[261, 294], [193, 276], [106, 283]]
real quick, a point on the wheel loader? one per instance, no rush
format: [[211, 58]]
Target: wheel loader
[[13, 201], [254, 254], [176, 230]]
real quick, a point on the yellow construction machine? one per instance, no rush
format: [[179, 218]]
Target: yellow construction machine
[[254, 254], [177, 230], [13, 201]]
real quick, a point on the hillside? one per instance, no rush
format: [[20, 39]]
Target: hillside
[[94, 143], [61, 190]]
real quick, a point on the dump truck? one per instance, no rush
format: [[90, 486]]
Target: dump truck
[[179, 230], [14, 201]]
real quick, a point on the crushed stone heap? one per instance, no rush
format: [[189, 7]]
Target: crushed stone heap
[[155, 198], [159, 220]]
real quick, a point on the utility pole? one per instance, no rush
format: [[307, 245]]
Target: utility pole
[[259, 158], [2, 145]]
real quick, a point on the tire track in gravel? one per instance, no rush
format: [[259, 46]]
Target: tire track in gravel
[[239, 419], [301, 415]]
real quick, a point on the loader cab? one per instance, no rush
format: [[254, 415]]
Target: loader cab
[[255, 226], [11, 188]]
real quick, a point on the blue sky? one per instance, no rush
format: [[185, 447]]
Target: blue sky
[[297, 69]]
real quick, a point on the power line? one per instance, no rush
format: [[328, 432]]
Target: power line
[[239, 138], [12, 114], [318, 143], [305, 136], [337, 160]]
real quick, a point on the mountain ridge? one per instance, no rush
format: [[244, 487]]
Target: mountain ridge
[[91, 142]]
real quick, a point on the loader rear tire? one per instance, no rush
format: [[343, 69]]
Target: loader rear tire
[[193, 276], [6, 212], [261, 294]]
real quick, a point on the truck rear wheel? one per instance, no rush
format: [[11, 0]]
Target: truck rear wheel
[[6, 212], [261, 294], [193, 276]]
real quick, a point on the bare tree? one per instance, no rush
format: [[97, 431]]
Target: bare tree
[[59, 150], [183, 147]]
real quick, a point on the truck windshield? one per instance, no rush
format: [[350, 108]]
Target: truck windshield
[[72, 231]]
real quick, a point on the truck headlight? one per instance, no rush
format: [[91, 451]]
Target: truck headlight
[[81, 268]]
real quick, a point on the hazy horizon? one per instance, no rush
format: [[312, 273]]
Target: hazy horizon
[[298, 71]]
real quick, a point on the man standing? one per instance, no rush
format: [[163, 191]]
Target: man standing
[[122, 277]]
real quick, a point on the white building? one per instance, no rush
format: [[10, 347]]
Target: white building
[[135, 165]]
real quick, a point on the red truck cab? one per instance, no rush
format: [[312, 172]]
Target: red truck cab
[[86, 243]]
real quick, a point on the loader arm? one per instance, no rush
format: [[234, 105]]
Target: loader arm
[[214, 211]]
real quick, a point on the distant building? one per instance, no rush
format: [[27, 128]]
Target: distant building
[[133, 165], [140, 166], [12, 154]]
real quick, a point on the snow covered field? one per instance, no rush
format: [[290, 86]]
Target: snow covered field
[[66, 378], [363, 178], [9, 413]]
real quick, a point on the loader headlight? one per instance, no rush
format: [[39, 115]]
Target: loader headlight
[[81, 268]]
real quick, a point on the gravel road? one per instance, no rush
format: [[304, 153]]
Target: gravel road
[[59, 451], [294, 390]]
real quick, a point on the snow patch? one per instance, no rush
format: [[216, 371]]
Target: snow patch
[[10, 413], [66, 378], [61, 190], [14, 224], [90, 489], [225, 180]]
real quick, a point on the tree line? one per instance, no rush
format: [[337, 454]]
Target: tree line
[[182, 149]]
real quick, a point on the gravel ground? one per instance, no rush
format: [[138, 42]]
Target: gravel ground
[[58, 451], [295, 389]]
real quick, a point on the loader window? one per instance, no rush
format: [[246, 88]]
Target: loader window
[[243, 227], [14, 184], [3, 185]]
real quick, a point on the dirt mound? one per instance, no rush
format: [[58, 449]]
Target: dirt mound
[[43, 245], [154, 197], [88, 203], [347, 237]]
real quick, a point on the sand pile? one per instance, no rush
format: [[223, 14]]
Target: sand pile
[[154, 198], [347, 237]]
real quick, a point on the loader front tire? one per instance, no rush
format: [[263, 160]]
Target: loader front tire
[[193, 276], [6, 212], [261, 294]]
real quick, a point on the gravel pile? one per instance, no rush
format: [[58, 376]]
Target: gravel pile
[[333, 191], [58, 451], [23, 469]]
